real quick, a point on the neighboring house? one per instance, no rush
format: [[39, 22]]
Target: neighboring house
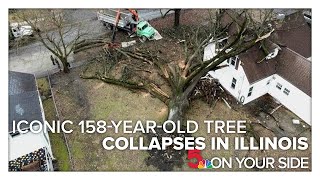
[[285, 73], [27, 151]]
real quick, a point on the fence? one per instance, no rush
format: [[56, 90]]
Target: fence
[[59, 118]]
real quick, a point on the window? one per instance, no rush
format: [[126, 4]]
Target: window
[[145, 26], [222, 43], [279, 86], [268, 82], [286, 91], [233, 84], [250, 91], [233, 61]]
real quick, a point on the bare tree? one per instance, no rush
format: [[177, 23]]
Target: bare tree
[[177, 13], [173, 79], [182, 77], [52, 30]]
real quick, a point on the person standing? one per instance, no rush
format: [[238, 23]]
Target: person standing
[[52, 60], [57, 62]]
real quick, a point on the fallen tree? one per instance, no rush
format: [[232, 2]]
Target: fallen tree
[[181, 77]]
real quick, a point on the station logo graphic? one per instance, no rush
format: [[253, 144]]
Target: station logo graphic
[[205, 164], [200, 162]]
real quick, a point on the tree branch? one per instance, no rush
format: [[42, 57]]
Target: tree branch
[[164, 15], [219, 59], [151, 88]]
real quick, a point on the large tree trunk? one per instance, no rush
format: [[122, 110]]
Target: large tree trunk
[[65, 64], [177, 17], [167, 159], [177, 107]]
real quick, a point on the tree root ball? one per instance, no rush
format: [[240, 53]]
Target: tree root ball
[[165, 160]]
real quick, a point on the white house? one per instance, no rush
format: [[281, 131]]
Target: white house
[[285, 73], [28, 151]]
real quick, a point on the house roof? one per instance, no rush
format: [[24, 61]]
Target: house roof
[[295, 68], [295, 33], [24, 106], [288, 64], [293, 36], [24, 101], [256, 71], [231, 18], [21, 82]]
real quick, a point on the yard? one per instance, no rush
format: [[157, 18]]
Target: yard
[[57, 142], [83, 99], [78, 99]]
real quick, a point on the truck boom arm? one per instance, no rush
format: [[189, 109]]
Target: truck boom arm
[[115, 26]]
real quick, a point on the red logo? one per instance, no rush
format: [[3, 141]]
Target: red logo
[[194, 154]]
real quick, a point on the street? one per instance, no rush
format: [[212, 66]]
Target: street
[[35, 58]]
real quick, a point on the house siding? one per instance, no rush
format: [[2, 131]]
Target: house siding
[[25, 143], [260, 88], [297, 101], [225, 76]]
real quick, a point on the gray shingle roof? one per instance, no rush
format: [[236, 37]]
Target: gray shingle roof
[[24, 102], [24, 106], [21, 82]]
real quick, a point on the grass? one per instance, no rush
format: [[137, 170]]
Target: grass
[[58, 146], [107, 101], [200, 111], [80, 99], [104, 102]]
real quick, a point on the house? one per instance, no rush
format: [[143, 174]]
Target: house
[[27, 151], [284, 73]]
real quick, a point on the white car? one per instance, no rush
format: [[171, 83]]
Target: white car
[[19, 30]]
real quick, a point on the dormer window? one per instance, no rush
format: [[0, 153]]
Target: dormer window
[[234, 61], [222, 42]]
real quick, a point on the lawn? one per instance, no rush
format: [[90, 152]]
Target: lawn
[[83, 99], [59, 148], [80, 99]]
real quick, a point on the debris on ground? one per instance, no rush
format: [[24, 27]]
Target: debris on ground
[[90, 43], [157, 35], [275, 109], [127, 44], [165, 160], [225, 101], [211, 90], [295, 121]]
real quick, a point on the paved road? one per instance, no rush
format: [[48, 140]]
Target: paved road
[[35, 58]]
